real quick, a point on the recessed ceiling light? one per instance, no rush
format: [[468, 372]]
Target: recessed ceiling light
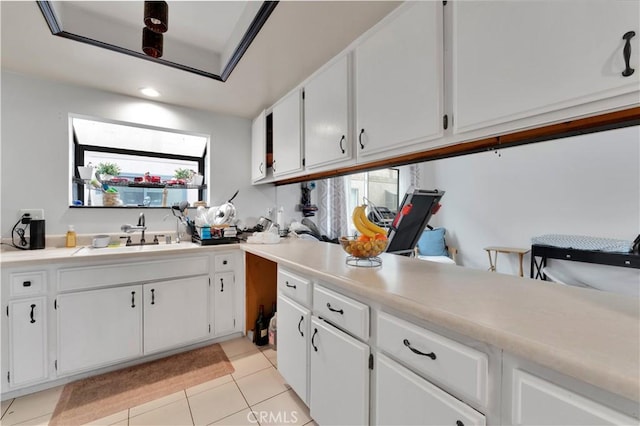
[[150, 91]]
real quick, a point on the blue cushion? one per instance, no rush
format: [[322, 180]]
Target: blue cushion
[[431, 243]]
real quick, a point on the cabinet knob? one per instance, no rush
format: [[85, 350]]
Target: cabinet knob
[[626, 52], [26, 284]]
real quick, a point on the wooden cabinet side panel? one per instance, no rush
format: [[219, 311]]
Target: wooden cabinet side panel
[[261, 278]]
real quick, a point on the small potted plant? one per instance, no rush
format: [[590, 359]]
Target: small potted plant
[[182, 176], [108, 170]]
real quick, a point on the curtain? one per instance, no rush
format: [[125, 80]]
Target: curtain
[[414, 175], [333, 217]]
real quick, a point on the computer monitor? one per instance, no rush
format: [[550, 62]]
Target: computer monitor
[[417, 207]]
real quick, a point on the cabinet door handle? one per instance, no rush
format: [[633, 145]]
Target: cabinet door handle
[[26, 284], [459, 423], [289, 285], [221, 285], [626, 52], [341, 147], [340, 311], [360, 139], [415, 351], [300, 322], [153, 296], [273, 165], [261, 167], [33, 307], [315, 331], [133, 299]]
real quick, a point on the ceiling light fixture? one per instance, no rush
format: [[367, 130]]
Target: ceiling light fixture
[[156, 19], [150, 91], [156, 16], [151, 43]]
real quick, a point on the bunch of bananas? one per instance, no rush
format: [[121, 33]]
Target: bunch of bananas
[[372, 240], [365, 226]]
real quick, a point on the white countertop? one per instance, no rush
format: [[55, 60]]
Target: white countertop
[[587, 334], [18, 258]]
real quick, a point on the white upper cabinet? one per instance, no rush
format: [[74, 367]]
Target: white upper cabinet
[[520, 64], [399, 83], [328, 139], [258, 148], [287, 134]]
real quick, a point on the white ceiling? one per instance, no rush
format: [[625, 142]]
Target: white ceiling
[[297, 39], [208, 23]]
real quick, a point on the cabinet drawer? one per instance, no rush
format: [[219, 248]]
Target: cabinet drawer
[[462, 368], [346, 313], [561, 406], [294, 286], [404, 398], [224, 262], [27, 283], [124, 273]]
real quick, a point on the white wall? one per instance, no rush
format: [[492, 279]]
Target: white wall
[[583, 185], [35, 160]]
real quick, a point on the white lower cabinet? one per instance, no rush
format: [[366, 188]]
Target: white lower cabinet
[[102, 327], [223, 294], [175, 313], [339, 382], [98, 327], [293, 345], [404, 398], [27, 341], [461, 369], [539, 402]]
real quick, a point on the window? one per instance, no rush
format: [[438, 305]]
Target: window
[[137, 151], [377, 188]]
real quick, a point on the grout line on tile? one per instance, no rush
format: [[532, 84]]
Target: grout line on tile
[[243, 397], [7, 409], [193, 422]]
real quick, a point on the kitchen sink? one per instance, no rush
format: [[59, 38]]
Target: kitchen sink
[[91, 251]]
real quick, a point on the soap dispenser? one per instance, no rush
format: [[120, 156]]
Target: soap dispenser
[[71, 237]]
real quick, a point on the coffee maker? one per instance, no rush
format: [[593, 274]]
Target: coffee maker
[[36, 234]]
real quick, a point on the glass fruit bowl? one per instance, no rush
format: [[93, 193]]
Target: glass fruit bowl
[[363, 251]]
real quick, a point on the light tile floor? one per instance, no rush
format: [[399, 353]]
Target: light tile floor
[[255, 394]]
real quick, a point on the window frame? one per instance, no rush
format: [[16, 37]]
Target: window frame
[[79, 151]]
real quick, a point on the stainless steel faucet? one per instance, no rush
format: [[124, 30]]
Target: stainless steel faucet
[[128, 229], [141, 224]]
